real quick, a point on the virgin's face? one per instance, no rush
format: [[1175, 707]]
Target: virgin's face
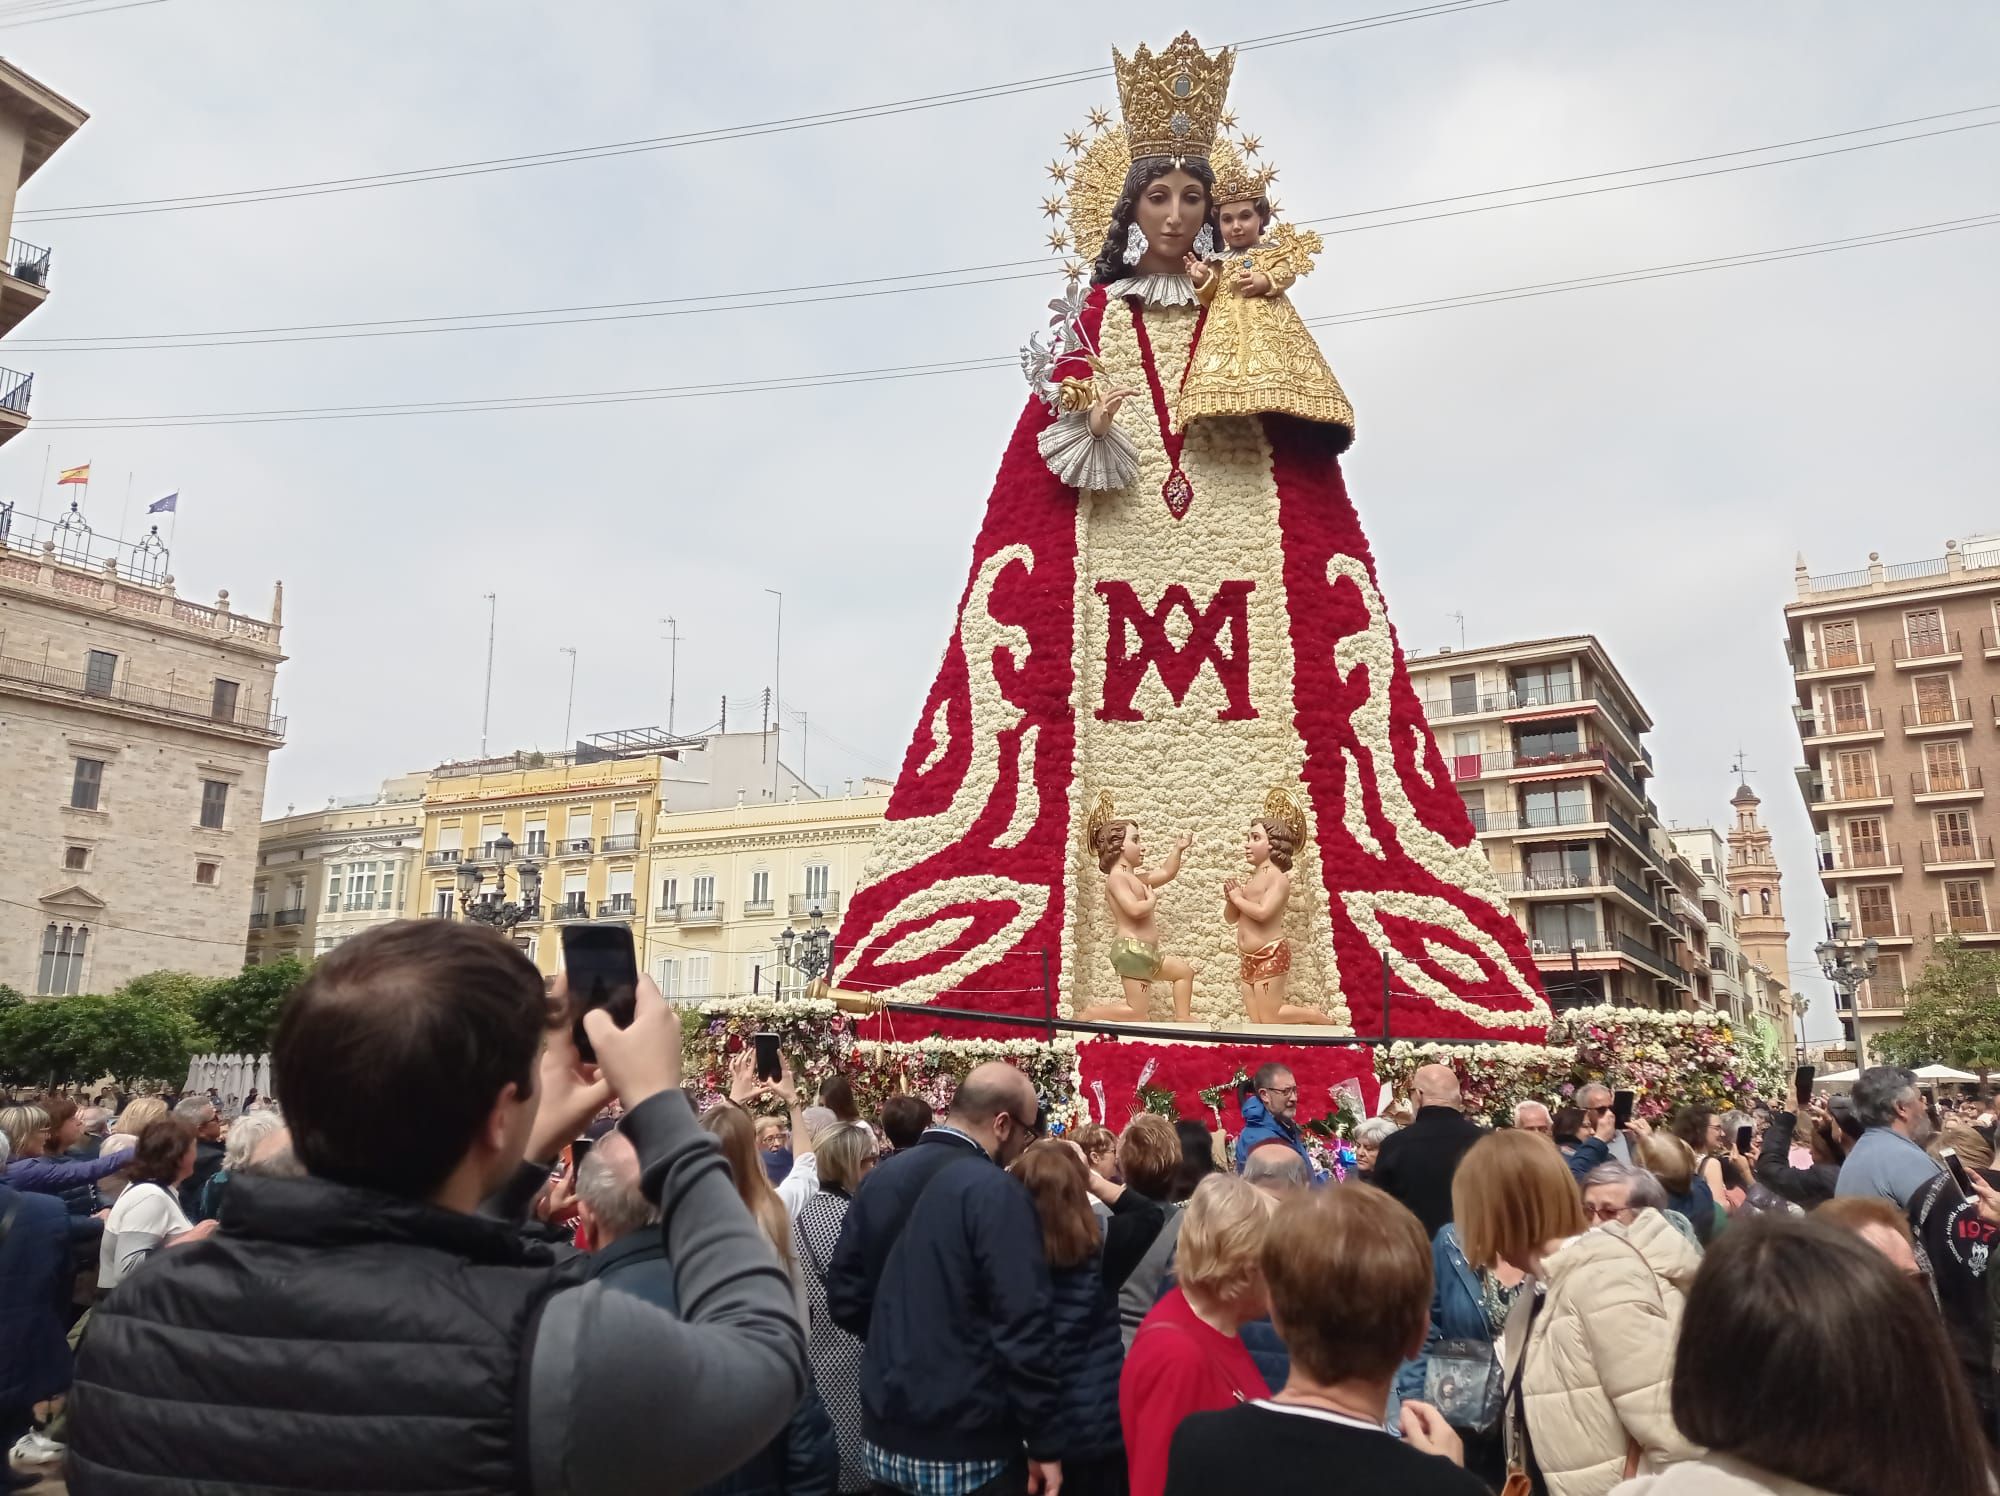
[[1132, 852], [1257, 846], [1170, 213], [1241, 226]]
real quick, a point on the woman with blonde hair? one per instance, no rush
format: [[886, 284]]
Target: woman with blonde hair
[[125, 1134], [733, 1129], [1187, 1357], [1590, 1346], [1674, 1164], [846, 1154], [34, 1172]]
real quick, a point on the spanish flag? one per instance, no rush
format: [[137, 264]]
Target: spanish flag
[[74, 475]]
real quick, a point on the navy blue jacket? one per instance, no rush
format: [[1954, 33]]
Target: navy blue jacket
[[961, 1360], [1260, 1127], [35, 1277], [880, 1211], [1090, 1355]]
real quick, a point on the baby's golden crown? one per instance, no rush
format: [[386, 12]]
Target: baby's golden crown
[[1172, 101]]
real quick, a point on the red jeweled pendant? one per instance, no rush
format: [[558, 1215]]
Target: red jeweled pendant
[[1178, 492]]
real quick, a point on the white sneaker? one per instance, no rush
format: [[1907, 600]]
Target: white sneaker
[[37, 1448]]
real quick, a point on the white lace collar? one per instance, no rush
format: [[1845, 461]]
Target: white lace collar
[[1156, 290]]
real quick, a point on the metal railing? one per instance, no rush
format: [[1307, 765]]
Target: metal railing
[[28, 262], [618, 906], [1970, 849], [1837, 724], [1979, 923], [759, 908], [1838, 657], [1881, 992], [1646, 956], [259, 920], [805, 905], [1638, 895], [1624, 776], [1852, 859], [444, 857], [622, 842], [1844, 792], [1926, 649], [567, 909], [1937, 713], [1989, 639], [1555, 882], [1949, 782], [575, 846], [1627, 830], [15, 389], [169, 703], [704, 914], [1883, 927], [289, 917]]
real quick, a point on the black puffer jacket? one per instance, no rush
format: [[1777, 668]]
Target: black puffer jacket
[[1806, 1187], [1090, 1355]]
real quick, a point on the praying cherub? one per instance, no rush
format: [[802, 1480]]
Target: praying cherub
[[1255, 356]]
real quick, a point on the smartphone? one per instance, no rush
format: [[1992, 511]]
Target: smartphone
[[1743, 1136], [1622, 1103], [767, 1056], [603, 973], [1958, 1175], [1802, 1084]]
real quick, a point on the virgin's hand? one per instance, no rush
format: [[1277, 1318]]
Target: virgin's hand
[[643, 1058], [1197, 271], [1105, 407]]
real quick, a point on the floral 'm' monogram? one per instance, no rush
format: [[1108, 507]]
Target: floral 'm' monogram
[[1136, 638]]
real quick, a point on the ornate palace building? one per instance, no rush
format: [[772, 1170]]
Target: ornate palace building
[[323, 875]]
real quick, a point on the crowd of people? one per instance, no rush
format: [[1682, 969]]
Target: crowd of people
[[460, 1260]]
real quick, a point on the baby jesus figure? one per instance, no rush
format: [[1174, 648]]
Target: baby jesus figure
[[1255, 356]]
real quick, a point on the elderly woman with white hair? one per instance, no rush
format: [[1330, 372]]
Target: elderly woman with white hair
[[1368, 1139], [245, 1151], [1618, 1192]]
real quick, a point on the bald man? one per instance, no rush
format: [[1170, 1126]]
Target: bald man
[[1416, 1165], [940, 1270]]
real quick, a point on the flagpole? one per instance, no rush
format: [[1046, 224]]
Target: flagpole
[[42, 493]]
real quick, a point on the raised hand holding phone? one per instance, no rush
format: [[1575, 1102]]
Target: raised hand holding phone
[[643, 1058]]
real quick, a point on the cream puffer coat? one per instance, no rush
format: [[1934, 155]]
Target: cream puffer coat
[[1600, 1363]]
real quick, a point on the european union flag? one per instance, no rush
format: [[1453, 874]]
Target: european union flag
[[171, 504]]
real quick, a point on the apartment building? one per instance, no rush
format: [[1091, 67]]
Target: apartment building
[[1896, 670], [1545, 740], [136, 727], [568, 836], [731, 882], [35, 121], [325, 875]]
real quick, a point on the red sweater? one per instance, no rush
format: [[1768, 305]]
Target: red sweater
[[1177, 1365]]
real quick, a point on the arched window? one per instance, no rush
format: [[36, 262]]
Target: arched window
[[1764, 894], [61, 971], [1743, 901]]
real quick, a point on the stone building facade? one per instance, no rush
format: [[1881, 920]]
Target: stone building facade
[[323, 875]]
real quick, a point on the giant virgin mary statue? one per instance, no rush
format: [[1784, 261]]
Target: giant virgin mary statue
[[1172, 617]]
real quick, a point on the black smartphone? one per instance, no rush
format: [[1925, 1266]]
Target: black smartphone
[[1802, 1084], [1743, 1136], [603, 973], [1622, 1103], [579, 1150], [1958, 1175], [767, 1056]]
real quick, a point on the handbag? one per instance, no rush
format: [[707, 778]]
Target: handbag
[[1464, 1381], [1520, 1481]]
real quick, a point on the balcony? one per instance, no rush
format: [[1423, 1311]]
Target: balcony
[[575, 846], [445, 857], [622, 842], [1847, 862], [618, 906], [1956, 856], [1881, 993], [1835, 727], [697, 914], [1948, 784], [15, 388], [24, 282], [1937, 716], [1989, 642], [759, 908], [1912, 654], [1561, 881], [572, 907], [185, 706], [259, 920], [286, 917], [1976, 926], [1588, 759], [1639, 896], [805, 905], [1876, 790], [1644, 955], [1885, 929], [535, 848], [1831, 664]]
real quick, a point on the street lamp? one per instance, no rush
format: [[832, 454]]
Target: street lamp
[[808, 953], [499, 911], [1846, 966]]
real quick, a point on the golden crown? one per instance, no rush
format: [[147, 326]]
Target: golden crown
[[1102, 814], [1235, 180], [1280, 806], [1172, 101]]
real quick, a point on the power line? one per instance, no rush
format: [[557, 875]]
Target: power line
[[781, 383], [68, 14], [782, 296], [364, 182]]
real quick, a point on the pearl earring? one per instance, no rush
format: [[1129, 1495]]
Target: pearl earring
[[1135, 244]]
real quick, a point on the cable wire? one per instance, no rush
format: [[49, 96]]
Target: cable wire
[[6, 25], [779, 383], [367, 181]]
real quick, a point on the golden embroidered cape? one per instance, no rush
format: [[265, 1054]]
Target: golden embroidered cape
[[1256, 356]]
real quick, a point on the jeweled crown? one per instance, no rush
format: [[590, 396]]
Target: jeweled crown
[[1173, 100], [1281, 806], [1235, 180]]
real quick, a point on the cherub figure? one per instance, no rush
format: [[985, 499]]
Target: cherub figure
[[1256, 906], [1255, 354], [1131, 893]]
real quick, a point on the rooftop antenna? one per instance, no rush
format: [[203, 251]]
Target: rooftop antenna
[[569, 712], [492, 622], [1461, 627], [673, 667]]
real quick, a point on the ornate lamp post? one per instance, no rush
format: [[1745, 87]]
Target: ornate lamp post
[[808, 953], [1846, 966], [499, 911]]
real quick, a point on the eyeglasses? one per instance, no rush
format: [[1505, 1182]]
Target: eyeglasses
[[1290, 1093], [1035, 1130], [1610, 1212]]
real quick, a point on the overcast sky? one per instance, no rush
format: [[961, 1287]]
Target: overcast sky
[[1640, 462]]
